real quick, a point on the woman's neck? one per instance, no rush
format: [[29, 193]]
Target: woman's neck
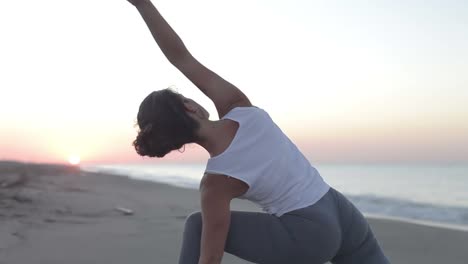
[[215, 136]]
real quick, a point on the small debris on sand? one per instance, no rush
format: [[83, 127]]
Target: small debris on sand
[[124, 211]]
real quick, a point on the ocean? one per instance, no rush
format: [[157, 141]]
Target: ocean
[[433, 195]]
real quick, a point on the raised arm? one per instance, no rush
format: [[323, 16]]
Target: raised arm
[[224, 95]]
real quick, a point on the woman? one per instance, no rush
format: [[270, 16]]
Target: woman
[[306, 221]]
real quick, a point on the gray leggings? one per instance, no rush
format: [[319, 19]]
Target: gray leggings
[[332, 230]]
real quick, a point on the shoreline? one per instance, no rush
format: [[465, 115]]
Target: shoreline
[[424, 223], [427, 223]]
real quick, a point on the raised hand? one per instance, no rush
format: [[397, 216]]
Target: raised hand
[[137, 2], [224, 95]]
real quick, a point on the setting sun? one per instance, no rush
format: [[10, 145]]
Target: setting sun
[[74, 160]]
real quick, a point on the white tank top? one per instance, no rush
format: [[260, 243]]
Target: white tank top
[[279, 177]]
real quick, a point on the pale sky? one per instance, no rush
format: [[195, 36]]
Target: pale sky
[[348, 81]]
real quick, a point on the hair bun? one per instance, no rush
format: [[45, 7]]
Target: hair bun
[[164, 124], [151, 142]]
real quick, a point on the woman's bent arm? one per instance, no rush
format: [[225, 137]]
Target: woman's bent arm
[[217, 191], [224, 95]]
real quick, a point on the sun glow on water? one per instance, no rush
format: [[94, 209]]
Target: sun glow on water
[[74, 159]]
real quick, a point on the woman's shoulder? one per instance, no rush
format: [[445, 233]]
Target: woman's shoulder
[[243, 110], [250, 119]]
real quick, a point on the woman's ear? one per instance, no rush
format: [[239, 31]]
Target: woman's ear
[[189, 107]]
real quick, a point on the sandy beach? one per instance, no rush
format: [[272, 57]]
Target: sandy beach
[[51, 214]]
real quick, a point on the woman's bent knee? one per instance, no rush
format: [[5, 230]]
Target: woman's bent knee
[[194, 220], [190, 250]]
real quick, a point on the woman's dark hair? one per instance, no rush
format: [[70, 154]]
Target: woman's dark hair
[[164, 124]]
